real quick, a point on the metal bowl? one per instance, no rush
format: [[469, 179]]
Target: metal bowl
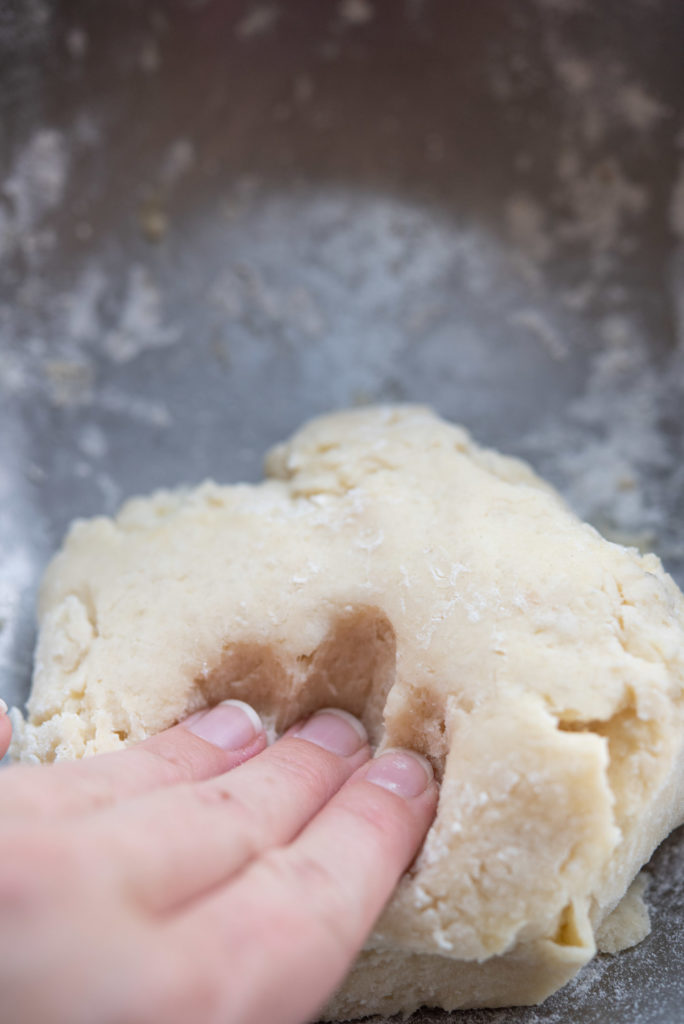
[[217, 220]]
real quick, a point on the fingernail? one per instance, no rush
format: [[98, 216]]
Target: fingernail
[[402, 771], [231, 725], [3, 707], [334, 730]]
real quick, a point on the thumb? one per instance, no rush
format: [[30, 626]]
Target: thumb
[[5, 729]]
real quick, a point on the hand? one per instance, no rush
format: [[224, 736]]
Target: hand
[[201, 875]]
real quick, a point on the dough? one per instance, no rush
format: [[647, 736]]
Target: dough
[[447, 596], [629, 923]]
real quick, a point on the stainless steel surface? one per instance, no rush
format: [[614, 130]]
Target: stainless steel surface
[[218, 219]]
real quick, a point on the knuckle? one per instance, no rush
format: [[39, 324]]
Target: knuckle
[[178, 755], [176, 990], [28, 793], [307, 767], [249, 827], [21, 795], [17, 774], [91, 791], [169, 762], [379, 818], [217, 792], [311, 895], [17, 889], [299, 871], [33, 863]]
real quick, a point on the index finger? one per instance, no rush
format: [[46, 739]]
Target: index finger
[[206, 744]]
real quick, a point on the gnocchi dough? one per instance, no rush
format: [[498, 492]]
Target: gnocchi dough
[[447, 596]]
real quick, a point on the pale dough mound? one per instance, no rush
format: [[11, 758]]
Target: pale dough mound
[[447, 596]]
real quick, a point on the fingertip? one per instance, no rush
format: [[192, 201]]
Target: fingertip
[[199, 757], [337, 731], [207, 743], [231, 725], [403, 792], [404, 772]]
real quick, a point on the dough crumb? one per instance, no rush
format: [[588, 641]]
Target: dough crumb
[[629, 923]]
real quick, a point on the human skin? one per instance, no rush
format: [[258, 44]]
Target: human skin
[[201, 875]]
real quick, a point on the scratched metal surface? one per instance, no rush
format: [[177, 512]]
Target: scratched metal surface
[[217, 220]]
